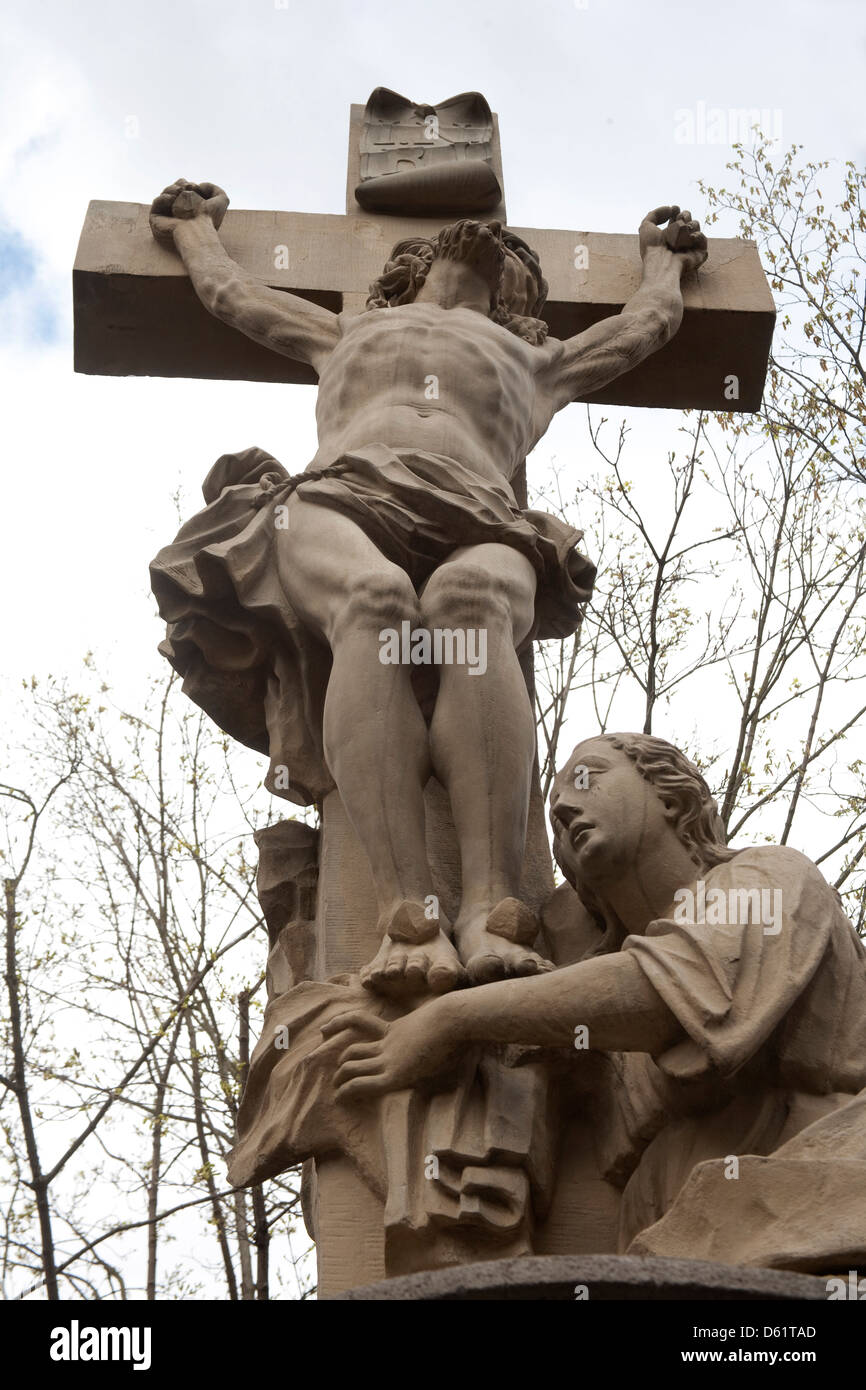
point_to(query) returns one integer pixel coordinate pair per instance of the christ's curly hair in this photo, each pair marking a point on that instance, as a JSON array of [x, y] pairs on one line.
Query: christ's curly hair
[[409, 264]]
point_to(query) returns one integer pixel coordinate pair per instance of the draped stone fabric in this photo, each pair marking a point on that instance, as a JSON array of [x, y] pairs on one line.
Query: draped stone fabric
[[801, 1207], [773, 1068], [490, 1132], [243, 653]]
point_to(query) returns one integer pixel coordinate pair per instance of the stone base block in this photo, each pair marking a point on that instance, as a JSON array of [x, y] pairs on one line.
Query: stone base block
[[555, 1278]]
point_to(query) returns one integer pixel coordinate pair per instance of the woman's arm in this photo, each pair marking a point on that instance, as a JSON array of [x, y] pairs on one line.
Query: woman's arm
[[609, 996]]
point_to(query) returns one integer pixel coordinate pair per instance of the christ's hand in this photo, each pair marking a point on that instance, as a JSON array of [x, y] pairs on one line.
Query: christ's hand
[[181, 201], [591, 359], [682, 236], [186, 216], [422, 1044]]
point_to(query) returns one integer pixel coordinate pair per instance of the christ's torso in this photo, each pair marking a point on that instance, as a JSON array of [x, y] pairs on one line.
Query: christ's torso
[[446, 381]]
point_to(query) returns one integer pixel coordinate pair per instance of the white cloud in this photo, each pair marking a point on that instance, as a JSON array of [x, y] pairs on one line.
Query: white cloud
[[257, 98]]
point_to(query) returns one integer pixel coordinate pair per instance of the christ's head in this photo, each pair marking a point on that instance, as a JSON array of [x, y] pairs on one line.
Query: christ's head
[[499, 258]]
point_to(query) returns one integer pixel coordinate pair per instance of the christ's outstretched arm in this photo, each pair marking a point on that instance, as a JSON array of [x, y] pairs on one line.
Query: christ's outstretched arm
[[651, 317], [186, 216]]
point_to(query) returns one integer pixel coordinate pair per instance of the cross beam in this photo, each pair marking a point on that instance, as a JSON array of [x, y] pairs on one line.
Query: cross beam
[[136, 313]]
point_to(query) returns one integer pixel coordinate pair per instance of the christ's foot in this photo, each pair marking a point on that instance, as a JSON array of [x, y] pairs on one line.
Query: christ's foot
[[399, 970], [415, 957], [495, 945]]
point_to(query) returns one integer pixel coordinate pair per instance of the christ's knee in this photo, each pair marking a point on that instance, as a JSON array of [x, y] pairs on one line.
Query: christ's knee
[[377, 602], [465, 596]]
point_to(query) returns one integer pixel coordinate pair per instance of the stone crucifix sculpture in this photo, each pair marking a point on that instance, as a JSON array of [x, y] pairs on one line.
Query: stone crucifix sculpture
[[428, 404], [293, 599]]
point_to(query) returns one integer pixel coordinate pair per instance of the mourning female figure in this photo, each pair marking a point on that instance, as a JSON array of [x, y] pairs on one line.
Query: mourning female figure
[[728, 991]]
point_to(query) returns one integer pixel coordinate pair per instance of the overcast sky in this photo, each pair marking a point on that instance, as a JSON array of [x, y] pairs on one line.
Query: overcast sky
[[103, 100]]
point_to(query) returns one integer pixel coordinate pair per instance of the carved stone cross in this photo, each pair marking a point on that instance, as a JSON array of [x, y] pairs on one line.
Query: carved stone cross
[[136, 313]]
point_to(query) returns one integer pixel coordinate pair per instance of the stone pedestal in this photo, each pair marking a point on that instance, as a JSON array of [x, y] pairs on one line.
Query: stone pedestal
[[345, 1219], [597, 1278]]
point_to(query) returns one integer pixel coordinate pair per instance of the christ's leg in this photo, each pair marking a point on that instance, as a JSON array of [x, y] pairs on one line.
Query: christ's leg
[[375, 737], [482, 742]]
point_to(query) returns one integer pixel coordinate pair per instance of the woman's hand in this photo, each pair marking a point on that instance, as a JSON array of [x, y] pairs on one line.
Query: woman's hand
[[396, 1055]]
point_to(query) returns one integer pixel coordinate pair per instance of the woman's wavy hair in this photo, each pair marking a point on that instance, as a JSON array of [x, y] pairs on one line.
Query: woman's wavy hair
[[688, 801], [410, 262]]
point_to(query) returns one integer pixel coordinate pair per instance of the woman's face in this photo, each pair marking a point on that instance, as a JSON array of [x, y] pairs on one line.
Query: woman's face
[[604, 814]]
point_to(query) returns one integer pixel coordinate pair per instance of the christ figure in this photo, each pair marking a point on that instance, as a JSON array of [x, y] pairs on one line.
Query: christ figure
[[428, 403]]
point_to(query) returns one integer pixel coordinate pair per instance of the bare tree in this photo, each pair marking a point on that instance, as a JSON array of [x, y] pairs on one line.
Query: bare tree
[[162, 943], [815, 252], [730, 606]]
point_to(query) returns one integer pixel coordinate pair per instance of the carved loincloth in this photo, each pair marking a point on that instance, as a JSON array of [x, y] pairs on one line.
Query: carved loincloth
[[244, 654]]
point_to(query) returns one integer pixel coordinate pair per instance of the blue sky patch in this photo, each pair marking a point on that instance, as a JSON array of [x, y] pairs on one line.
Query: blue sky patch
[[19, 264]]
